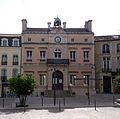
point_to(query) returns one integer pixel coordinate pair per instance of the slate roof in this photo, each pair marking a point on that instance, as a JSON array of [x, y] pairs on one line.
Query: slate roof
[[107, 37], [47, 30]]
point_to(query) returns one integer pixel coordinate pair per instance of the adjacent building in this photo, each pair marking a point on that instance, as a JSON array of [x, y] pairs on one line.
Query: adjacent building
[[59, 57], [107, 61], [10, 57]]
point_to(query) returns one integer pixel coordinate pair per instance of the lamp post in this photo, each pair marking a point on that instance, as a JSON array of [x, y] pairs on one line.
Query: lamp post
[[54, 86], [88, 85]]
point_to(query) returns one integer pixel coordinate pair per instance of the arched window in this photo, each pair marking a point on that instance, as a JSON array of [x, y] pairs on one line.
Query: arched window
[[57, 54], [3, 75], [105, 48], [15, 42], [4, 42]]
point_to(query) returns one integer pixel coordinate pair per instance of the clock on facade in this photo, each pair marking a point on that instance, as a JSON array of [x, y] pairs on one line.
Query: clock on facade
[[57, 39]]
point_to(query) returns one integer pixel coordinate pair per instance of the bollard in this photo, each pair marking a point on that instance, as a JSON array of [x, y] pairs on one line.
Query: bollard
[[113, 99], [59, 106], [42, 100], [3, 102], [95, 105], [64, 101]]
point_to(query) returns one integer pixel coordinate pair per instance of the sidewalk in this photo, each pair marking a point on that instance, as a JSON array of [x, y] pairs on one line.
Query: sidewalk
[[101, 100]]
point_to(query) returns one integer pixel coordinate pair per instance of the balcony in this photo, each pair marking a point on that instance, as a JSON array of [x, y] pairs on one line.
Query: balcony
[[106, 70], [57, 61], [4, 63], [15, 63]]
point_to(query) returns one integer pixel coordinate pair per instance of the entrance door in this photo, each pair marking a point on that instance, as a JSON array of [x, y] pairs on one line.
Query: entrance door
[[57, 80], [107, 84]]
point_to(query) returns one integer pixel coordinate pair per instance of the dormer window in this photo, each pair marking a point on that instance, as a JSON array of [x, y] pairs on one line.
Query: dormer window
[[105, 48], [4, 42], [15, 42]]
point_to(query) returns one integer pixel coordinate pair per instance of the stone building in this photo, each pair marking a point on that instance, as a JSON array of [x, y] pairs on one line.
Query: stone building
[[58, 57], [10, 58], [107, 61]]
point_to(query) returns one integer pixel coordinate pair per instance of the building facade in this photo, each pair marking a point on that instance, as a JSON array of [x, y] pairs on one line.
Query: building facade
[[59, 57], [107, 61], [10, 57]]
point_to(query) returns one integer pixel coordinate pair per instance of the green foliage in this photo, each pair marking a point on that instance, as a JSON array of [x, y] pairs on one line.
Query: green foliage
[[22, 85], [116, 84]]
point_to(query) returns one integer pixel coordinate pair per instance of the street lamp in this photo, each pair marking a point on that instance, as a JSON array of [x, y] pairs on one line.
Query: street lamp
[[54, 86], [88, 92]]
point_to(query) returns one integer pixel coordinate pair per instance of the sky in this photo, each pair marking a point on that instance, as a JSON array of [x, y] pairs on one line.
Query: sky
[[104, 13]]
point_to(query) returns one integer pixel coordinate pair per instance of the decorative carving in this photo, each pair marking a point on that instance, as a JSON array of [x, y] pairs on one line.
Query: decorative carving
[[57, 22]]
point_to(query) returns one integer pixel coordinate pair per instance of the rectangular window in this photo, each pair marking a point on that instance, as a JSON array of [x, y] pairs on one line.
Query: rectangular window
[[118, 48], [86, 80], [72, 80], [3, 75], [15, 59], [29, 55], [86, 56], [72, 56], [42, 80], [118, 63], [42, 55], [106, 64], [4, 60]]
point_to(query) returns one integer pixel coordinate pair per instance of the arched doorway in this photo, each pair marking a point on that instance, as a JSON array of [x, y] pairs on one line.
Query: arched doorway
[[57, 80]]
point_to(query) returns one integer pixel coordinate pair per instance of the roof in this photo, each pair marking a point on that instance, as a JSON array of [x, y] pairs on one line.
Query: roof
[[47, 30], [107, 37]]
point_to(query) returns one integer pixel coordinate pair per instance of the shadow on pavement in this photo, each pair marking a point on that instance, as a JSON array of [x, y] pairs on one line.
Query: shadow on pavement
[[55, 110]]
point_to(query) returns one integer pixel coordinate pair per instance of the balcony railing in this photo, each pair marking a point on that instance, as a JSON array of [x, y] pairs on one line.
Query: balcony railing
[[57, 61], [15, 63], [3, 63], [106, 70]]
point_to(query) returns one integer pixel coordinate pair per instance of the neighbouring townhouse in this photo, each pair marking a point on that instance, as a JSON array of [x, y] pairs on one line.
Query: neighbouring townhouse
[[107, 61], [10, 58]]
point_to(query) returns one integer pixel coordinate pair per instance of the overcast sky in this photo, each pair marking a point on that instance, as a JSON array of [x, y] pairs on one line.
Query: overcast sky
[[104, 13]]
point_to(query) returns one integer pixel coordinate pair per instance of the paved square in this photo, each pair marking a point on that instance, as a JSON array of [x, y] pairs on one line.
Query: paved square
[[75, 113]]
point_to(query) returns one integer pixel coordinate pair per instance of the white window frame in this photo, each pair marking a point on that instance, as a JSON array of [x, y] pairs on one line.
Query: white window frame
[[4, 40], [14, 42], [72, 55], [29, 55], [42, 55], [57, 53], [42, 79]]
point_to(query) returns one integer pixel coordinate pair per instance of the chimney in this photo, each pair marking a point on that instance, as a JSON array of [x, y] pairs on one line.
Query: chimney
[[64, 25], [88, 25], [49, 25], [24, 24]]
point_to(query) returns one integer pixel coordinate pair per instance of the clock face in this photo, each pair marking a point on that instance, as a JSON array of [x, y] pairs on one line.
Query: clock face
[[57, 39]]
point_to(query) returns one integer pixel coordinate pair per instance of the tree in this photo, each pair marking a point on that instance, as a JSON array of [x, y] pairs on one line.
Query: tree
[[116, 84], [22, 85]]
